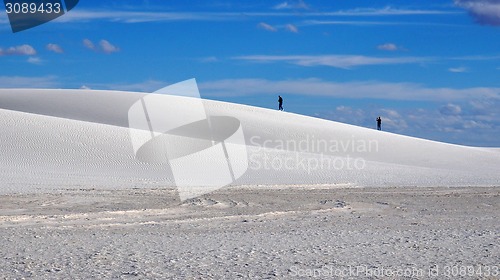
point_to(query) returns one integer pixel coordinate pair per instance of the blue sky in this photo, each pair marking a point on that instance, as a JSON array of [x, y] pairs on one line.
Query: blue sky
[[431, 69]]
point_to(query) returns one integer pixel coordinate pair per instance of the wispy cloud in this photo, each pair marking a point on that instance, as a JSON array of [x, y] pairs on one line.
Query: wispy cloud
[[483, 11], [28, 82], [285, 9], [292, 28], [104, 46], [267, 27], [209, 59], [476, 57], [370, 23], [458, 69], [18, 50], [287, 27], [292, 5], [388, 47], [348, 22], [368, 89], [88, 44], [450, 109], [54, 48], [388, 11], [338, 61], [107, 47], [351, 61], [145, 86], [146, 16], [34, 60]]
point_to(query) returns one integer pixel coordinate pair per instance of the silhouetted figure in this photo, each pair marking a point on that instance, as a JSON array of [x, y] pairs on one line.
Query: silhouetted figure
[[379, 123], [280, 102]]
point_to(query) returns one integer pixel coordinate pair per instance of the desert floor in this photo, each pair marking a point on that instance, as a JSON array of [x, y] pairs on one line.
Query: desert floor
[[263, 232]]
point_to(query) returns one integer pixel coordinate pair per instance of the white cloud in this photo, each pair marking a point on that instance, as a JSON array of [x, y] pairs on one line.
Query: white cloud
[[347, 22], [388, 47], [54, 48], [345, 114], [107, 47], [88, 44], [209, 59], [18, 50], [292, 28], [288, 27], [450, 109], [267, 27], [283, 5], [370, 23], [457, 69], [387, 11], [28, 82], [392, 120], [34, 60], [338, 61], [476, 57], [104, 46], [352, 90], [479, 129], [391, 113], [483, 11], [148, 16], [285, 9], [146, 86], [471, 124], [131, 17], [292, 5]]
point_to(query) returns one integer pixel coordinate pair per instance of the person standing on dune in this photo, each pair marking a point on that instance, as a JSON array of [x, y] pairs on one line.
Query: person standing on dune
[[280, 103], [379, 123]]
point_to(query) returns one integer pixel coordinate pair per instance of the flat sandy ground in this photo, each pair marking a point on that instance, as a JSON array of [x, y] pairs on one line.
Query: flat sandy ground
[[286, 232]]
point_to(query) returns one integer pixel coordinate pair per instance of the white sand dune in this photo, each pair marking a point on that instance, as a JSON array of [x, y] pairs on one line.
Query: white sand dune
[[62, 139], [76, 202]]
